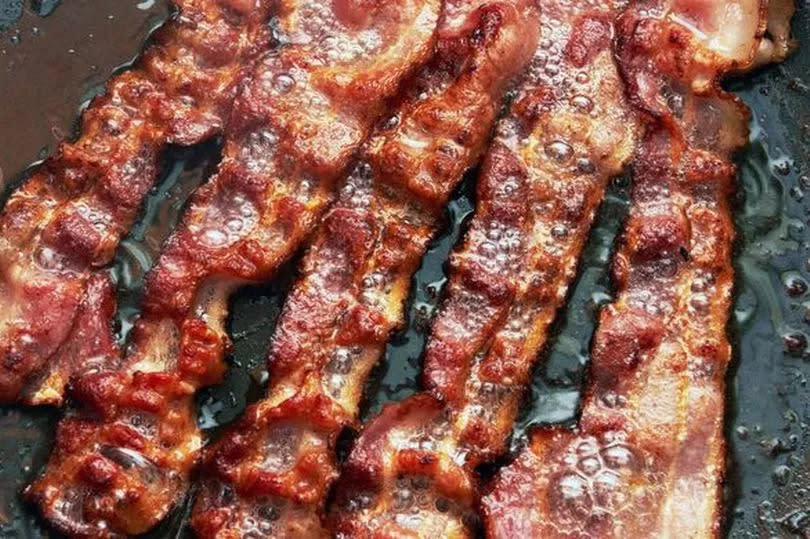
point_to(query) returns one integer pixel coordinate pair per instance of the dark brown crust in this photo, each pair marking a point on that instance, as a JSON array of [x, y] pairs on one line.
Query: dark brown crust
[[356, 277], [648, 456], [66, 221], [123, 459], [540, 185]]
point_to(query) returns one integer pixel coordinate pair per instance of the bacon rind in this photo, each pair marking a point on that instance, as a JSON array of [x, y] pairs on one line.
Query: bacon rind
[[123, 460], [648, 456], [274, 469], [66, 221], [568, 131]]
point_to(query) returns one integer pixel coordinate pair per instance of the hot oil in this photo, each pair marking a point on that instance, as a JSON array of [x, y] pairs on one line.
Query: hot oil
[[560, 373], [394, 379], [184, 169], [51, 59], [12, 10], [10, 13], [767, 426], [769, 472]]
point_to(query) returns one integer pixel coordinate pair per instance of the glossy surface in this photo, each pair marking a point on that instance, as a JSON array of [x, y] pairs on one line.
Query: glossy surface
[[567, 132], [122, 459], [66, 220], [648, 455], [271, 473], [768, 386]]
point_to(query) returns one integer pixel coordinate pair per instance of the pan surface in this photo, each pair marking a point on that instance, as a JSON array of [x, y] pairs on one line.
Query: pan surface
[[54, 58]]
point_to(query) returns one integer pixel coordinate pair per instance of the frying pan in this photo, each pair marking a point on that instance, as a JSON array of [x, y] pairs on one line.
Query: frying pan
[[54, 58]]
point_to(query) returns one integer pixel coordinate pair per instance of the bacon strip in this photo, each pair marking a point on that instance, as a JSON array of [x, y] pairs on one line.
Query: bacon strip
[[648, 456], [569, 130], [270, 475], [123, 459], [66, 221]]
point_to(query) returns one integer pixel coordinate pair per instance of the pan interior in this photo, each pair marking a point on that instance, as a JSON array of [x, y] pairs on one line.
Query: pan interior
[[768, 420]]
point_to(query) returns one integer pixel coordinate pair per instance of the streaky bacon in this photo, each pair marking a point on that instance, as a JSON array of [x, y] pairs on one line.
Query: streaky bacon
[[412, 470], [648, 456], [122, 460], [270, 474], [66, 221]]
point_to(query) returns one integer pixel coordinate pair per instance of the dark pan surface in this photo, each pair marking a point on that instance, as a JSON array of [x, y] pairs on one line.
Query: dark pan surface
[[50, 66]]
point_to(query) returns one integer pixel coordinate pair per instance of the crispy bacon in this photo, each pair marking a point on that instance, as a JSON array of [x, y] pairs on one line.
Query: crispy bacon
[[648, 456], [123, 459], [569, 130], [66, 221], [270, 475]]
